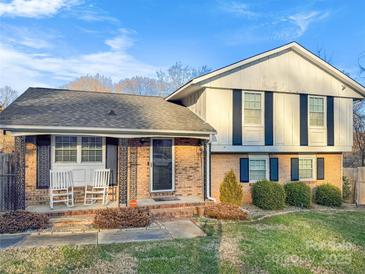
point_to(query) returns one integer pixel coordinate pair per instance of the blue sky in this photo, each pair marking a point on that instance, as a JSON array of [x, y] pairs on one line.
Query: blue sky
[[50, 42]]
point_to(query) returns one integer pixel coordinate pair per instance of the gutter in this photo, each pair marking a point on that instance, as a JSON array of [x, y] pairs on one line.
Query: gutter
[[208, 167]]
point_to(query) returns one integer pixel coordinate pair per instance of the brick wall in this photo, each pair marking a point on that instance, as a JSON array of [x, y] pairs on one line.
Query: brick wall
[[188, 168], [33, 195], [222, 163]]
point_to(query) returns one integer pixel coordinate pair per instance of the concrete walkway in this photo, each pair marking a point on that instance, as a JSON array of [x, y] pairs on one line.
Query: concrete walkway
[[177, 229]]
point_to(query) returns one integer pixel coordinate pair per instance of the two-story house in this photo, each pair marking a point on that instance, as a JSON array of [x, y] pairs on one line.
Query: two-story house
[[282, 115]]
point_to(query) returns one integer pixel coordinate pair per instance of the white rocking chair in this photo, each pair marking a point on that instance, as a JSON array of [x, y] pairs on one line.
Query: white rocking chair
[[62, 187], [99, 189]]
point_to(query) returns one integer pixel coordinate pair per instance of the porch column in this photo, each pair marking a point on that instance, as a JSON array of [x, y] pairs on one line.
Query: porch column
[[123, 170], [133, 158], [20, 171]]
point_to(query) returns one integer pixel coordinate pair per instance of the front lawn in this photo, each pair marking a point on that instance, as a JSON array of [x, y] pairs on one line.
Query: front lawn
[[306, 242]]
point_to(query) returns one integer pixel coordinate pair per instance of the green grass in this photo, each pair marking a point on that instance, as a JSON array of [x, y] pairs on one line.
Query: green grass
[[306, 242]]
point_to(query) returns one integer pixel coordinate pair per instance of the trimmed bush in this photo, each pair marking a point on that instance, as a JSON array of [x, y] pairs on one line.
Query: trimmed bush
[[225, 212], [230, 190], [268, 195], [298, 194], [122, 217], [328, 195], [20, 221]]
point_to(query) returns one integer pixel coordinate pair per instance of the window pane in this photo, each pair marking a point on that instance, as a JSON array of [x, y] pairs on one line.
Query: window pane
[[305, 168], [316, 111], [66, 149], [252, 108], [91, 149], [257, 170]]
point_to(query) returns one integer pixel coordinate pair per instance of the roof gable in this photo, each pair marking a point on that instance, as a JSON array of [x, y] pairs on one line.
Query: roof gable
[[273, 69]]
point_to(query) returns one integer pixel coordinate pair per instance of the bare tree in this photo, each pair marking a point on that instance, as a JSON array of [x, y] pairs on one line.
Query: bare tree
[[323, 54], [7, 96], [359, 130], [138, 85], [97, 82]]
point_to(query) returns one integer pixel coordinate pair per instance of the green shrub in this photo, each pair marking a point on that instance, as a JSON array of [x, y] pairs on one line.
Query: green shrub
[[328, 195], [230, 190], [268, 195], [346, 188], [225, 212], [298, 194]]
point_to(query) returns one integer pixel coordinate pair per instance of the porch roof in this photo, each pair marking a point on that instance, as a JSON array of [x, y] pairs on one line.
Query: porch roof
[[62, 110]]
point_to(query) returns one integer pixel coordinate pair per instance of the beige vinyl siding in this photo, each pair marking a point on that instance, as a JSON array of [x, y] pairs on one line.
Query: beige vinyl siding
[[284, 72]]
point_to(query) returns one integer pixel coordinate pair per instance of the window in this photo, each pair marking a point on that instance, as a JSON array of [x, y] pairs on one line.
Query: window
[[252, 108], [257, 170], [66, 149], [91, 149], [305, 169], [316, 111]]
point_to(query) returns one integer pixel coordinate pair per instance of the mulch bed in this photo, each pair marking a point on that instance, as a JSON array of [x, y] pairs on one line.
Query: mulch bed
[[225, 212], [122, 217], [20, 221]]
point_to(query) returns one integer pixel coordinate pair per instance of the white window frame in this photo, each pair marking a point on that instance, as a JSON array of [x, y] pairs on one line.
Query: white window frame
[[102, 150], [262, 108], [78, 151], [259, 157], [314, 167], [173, 165], [324, 112]]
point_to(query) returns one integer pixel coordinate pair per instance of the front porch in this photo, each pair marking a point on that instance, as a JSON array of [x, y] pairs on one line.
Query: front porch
[[153, 171]]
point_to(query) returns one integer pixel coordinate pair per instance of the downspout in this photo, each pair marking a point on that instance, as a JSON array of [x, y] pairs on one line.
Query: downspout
[[208, 168]]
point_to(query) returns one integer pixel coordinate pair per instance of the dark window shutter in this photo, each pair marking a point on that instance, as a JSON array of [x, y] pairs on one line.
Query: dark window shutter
[[294, 169], [274, 169], [330, 122], [269, 114], [112, 159], [237, 117], [320, 168], [303, 119], [244, 170], [43, 160]]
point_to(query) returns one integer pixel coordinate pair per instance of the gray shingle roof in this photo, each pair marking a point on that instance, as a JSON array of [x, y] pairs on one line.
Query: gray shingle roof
[[70, 108]]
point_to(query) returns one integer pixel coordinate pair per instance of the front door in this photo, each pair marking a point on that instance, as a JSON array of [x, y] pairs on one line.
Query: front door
[[162, 164]]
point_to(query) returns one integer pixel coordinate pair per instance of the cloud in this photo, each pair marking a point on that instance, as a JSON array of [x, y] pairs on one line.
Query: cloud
[[35, 8], [121, 41], [237, 8], [304, 19], [23, 68]]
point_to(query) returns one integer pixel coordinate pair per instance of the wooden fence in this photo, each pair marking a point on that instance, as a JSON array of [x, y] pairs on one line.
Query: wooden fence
[[357, 177], [8, 191]]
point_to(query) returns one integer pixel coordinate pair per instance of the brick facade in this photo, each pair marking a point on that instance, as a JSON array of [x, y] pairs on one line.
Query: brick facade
[[222, 163], [188, 172]]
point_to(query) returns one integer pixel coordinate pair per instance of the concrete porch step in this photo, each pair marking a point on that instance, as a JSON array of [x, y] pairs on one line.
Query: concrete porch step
[[74, 223], [173, 213]]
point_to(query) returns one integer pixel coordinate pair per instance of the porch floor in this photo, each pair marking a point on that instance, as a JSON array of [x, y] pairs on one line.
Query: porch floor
[[60, 208], [180, 200]]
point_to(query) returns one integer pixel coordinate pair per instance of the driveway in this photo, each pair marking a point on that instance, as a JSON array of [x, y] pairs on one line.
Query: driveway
[[177, 229]]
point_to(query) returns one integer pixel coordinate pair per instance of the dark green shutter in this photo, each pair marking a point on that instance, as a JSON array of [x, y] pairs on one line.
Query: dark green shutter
[[112, 159], [303, 119], [244, 170], [274, 169], [269, 116], [330, 122], [237, 117], [43, 160], [320, 168], [294, 169]]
